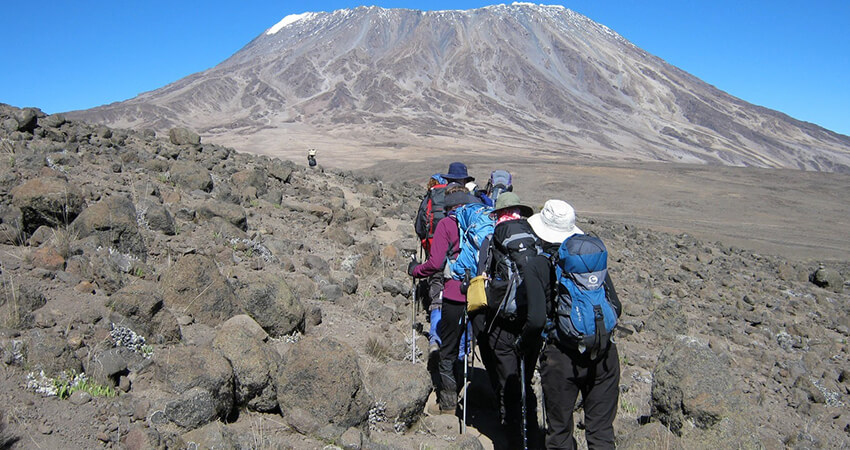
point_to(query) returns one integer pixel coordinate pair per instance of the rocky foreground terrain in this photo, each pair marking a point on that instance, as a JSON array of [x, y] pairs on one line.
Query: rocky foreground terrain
[[160, 292]]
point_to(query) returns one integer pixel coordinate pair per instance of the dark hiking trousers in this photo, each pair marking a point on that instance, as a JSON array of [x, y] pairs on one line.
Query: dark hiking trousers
[[450, 330], [564, 374], [507, 359]]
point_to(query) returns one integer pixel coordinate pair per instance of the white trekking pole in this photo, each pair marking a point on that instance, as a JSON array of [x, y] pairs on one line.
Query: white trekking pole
[[465, 368], [413, 325], [413, 316], [524, 411]]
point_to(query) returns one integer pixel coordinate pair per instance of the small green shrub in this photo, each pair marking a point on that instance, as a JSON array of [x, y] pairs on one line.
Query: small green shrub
[[628, 407], [73, 382], [64, 385]]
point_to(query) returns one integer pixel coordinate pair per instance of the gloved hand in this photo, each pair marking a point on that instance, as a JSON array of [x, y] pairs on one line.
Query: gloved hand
[[411, 266], [518, 346]]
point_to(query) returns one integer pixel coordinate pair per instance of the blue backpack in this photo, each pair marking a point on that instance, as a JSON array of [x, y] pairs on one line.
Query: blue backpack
[[474, 224], [584, 318]]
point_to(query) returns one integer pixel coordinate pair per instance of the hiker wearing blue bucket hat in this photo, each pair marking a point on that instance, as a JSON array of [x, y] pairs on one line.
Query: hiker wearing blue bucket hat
[[445, 247], [458, 173]]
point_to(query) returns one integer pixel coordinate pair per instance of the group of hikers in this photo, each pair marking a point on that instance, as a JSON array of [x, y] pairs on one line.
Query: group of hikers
[[529, 290]]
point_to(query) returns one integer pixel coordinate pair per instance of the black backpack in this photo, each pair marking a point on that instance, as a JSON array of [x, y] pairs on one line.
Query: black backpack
[[511, 244]]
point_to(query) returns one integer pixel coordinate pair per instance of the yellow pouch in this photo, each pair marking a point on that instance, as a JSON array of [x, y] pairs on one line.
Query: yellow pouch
[[476, 295]]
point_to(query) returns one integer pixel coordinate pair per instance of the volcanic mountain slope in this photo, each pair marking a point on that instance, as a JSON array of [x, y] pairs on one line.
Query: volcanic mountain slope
[[501, 79]]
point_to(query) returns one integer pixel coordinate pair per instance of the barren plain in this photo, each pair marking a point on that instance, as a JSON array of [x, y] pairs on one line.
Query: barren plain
[[796, 214]]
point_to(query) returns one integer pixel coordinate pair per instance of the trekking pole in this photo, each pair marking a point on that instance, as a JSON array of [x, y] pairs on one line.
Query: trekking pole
[[465, 369], [542, 392], [522, 390], [413, 324]]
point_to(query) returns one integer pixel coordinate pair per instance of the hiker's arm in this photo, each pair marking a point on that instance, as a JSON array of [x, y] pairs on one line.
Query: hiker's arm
[[437, 257], [612, 295], [484, 256]]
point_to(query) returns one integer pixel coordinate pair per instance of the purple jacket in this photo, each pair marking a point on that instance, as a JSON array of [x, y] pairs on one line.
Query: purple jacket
[[445, 237]]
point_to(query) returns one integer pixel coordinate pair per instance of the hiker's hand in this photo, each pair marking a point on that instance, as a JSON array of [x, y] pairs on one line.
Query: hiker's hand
[[518, 346], [411, 266]]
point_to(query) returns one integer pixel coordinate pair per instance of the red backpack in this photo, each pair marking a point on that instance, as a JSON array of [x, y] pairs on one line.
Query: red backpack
[[431, 210]]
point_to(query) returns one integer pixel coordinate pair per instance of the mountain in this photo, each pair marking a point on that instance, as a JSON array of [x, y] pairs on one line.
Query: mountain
[[508, 80]]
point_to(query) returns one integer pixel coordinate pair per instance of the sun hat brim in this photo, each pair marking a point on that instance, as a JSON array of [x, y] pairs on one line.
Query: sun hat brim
[[549, 234], [524, 211]]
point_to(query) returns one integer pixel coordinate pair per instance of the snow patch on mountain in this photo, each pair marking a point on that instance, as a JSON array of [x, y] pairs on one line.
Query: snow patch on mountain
[[290, 19]]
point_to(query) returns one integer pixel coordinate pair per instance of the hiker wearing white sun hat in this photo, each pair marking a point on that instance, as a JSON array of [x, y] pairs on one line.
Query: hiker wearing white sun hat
[[555, 222], [564, 371]]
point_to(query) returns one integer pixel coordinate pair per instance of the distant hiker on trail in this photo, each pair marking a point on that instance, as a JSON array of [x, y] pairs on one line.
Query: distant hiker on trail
[[569, 364], [513, 242], [311, 157], [445, 246]]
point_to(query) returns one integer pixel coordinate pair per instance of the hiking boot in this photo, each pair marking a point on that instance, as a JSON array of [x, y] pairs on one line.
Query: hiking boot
[[434, 409]]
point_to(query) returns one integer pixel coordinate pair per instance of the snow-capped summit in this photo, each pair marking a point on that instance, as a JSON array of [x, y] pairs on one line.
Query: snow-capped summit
[[290, 19]]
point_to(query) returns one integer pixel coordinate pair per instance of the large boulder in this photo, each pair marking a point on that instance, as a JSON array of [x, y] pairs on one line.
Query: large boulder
[[827, 278], [693, 393], [281, 170], [232, 213], [183, 136], [107, 365], [47, 201], [113, 222], [254, 178], [191, 176], [201, 378], [323, 378], [267, 298], [195, 286], [141, 307], [27, 119], [244, 343], [402, 387], [192, 408]]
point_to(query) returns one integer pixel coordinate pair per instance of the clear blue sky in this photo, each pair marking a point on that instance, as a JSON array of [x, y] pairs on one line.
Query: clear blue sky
[[786, 55]]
